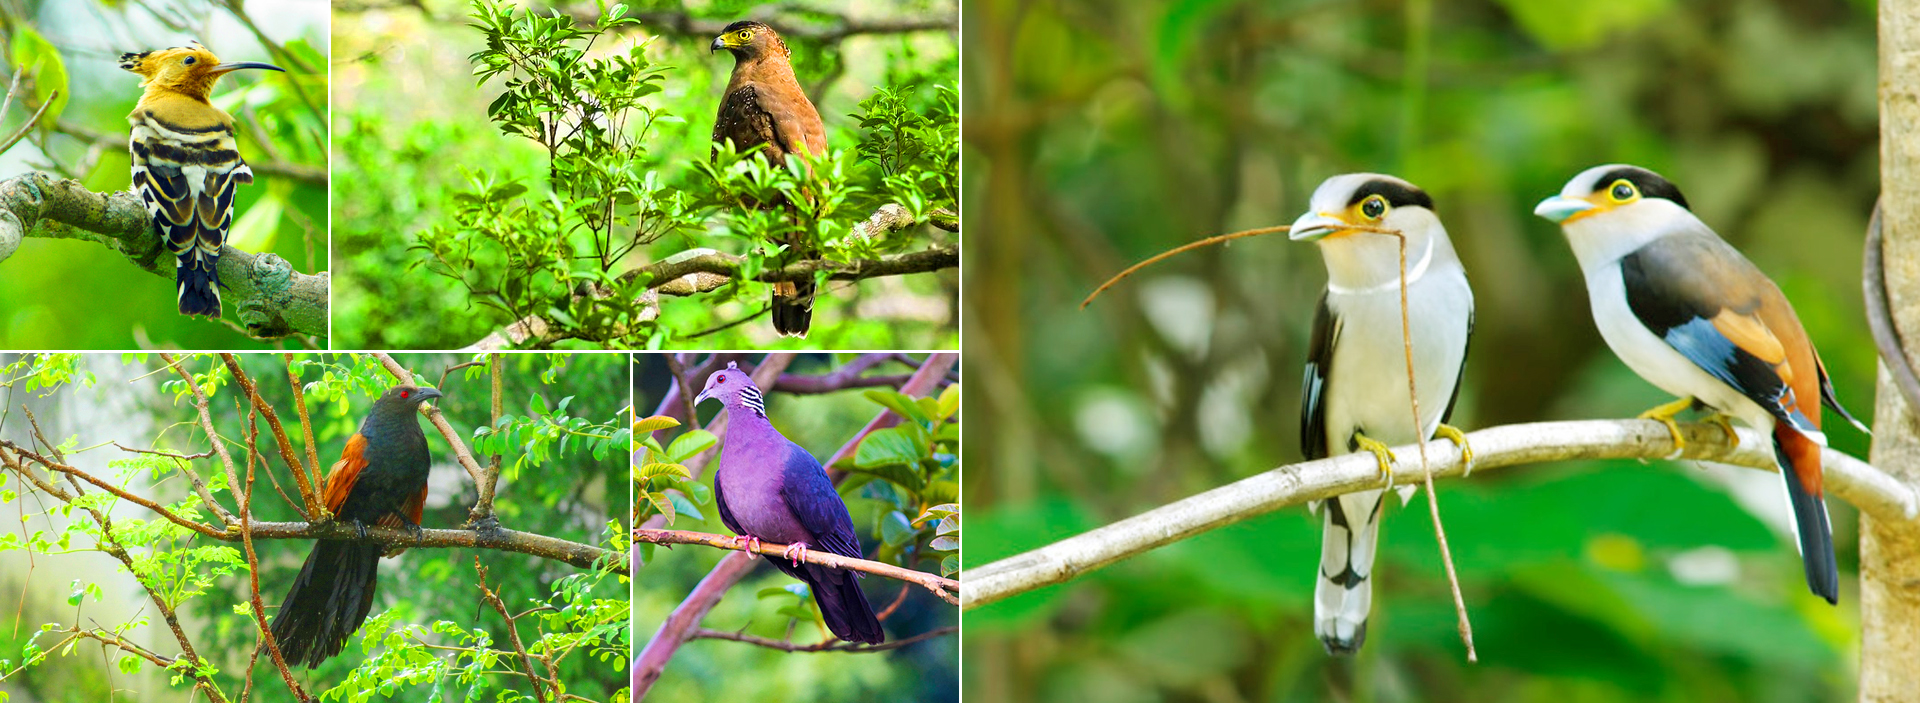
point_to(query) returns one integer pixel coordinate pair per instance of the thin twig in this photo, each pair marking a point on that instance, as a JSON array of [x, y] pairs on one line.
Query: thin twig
[[946, 589], [1190, 246], [826, 646]]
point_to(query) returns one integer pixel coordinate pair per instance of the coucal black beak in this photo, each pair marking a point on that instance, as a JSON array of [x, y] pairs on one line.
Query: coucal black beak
[[237, 65], [427, 394]]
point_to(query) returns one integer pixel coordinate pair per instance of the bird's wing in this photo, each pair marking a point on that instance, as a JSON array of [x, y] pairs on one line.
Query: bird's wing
[[726, 516], [1313, 407], [813, 500], [743, 120], [1446, 416], [346, 472], [186, 166], [1717, 309], [796, 123]]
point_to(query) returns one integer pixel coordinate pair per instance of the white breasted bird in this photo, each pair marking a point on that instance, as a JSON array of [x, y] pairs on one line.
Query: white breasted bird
[[1689, 314], [1355, 394], [186, 164]]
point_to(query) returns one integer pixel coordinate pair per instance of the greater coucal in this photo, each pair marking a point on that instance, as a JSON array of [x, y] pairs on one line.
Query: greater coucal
[[186, 164], [381, 479], [765, 111]]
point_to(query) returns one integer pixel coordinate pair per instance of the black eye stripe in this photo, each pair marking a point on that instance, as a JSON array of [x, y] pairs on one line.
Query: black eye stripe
[[1398, 194], [1650, 184]]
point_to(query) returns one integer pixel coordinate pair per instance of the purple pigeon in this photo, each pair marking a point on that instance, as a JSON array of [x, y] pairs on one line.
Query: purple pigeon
[[769, 488]]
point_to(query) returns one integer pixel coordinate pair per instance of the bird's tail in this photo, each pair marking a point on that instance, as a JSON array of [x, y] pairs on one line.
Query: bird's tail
[[1799, 458], [793, 308], [197, 278], [844, 605], [1344, 593], [328, 601]]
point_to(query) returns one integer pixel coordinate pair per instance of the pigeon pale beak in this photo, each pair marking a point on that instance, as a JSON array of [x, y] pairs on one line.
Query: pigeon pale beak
[[1314, 226], [704, 395], [1562, 209]]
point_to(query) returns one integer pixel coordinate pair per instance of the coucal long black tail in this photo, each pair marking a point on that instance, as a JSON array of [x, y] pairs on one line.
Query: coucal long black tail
[[328, 602]]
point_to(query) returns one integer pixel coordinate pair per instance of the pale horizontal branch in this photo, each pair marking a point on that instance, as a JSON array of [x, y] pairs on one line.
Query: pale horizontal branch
[[273, 300], [945, 588], [1852, 480], [725, 266], [499, 538]]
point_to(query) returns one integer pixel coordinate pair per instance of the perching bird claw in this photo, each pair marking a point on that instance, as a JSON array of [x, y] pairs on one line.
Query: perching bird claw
[[1459, 439], [748, 544], [1663, 414], [1721, 419], [795, 552], [1380, 452]]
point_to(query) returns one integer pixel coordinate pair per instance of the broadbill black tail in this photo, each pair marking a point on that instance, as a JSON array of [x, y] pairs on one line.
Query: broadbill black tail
[[1811, 525], [329, 600]]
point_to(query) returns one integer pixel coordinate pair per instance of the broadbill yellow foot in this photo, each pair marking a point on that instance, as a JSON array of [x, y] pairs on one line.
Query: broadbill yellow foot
[[1380, 453], [1721, 419], [1664, 415], [1459, 439]]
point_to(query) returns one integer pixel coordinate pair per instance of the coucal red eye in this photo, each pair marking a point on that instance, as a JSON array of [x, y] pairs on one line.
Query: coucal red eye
[[404, 394]]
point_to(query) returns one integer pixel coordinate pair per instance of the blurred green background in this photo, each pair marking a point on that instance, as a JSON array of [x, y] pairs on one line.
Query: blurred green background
[[1098, 134], [412, 129], [66, 294], [711, 669]]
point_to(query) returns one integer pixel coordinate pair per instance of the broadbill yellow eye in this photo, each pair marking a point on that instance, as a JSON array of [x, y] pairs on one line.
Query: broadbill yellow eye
[[1622, 191], [1373, 207]]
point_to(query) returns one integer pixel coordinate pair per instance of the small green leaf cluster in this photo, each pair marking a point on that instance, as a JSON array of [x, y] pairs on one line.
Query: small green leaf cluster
[[665, 486], [546, 432], [912, 469]]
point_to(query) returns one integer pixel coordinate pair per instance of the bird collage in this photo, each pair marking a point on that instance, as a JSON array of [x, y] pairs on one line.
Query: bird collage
[[589, 351]]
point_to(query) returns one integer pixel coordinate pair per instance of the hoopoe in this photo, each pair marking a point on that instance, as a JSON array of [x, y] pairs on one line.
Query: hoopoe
[[185, 164]]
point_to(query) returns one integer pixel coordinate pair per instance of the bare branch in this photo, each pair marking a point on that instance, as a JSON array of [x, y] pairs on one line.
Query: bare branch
[[1510, 445], [942, 587], [272, 299], [684, 25]]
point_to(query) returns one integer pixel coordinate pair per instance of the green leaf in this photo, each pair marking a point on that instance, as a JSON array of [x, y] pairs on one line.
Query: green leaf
[[36, 57], [949, 402], [690, 444], [662, 503], [899, 403], [657, 469], [890, 446], [648, 425], [894, 530]]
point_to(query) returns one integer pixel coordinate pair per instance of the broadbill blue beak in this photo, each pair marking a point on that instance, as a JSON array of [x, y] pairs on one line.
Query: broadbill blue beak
[[1314, 226], [1560, 208]]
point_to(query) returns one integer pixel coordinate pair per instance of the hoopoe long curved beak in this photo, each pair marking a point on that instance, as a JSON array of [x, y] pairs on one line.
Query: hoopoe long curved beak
[[237, 65]]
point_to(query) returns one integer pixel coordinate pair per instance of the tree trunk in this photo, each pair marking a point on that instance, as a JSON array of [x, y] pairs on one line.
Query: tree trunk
[[1890, 550]]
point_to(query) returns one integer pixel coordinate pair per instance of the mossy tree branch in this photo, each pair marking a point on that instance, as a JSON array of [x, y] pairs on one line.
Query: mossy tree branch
[[272, 299]]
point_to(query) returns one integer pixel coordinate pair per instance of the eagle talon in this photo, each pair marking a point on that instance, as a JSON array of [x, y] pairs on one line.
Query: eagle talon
[[1663, 414], [1380, 452], [1459, 439]]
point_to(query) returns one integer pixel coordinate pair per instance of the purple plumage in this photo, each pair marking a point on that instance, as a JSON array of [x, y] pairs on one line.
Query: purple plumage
[[771, 489]]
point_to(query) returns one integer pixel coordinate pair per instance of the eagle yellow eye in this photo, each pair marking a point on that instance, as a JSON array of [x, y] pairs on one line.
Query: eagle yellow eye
[[1373, 207], [746, 35], [1622, 191]]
